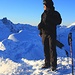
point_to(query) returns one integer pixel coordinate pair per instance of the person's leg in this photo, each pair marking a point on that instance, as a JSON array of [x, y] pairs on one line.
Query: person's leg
[[53, 54], [46, 51]]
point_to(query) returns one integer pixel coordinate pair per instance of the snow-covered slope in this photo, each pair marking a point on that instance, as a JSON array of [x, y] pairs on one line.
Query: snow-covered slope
[[21, 49], [73, 24], [62, 36]]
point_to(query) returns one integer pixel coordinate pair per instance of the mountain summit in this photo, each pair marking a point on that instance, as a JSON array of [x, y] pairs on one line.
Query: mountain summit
[[21, 50]]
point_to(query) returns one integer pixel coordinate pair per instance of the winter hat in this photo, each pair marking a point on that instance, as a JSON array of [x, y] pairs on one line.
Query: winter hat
[[48, 3]]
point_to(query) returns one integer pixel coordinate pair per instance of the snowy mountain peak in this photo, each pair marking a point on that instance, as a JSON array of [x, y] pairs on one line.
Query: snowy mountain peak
[[6, 21], [73, 24]]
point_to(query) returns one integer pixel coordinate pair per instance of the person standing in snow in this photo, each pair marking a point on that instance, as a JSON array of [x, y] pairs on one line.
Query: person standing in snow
[[49, 20]]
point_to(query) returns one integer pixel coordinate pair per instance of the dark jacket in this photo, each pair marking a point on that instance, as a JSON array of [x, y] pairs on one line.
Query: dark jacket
[[49, 21]]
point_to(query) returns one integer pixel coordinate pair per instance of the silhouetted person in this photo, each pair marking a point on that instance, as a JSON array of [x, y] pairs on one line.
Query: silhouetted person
[[49, 20]]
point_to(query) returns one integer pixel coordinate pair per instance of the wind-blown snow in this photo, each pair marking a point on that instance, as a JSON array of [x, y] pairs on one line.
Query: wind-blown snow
[[21, 50]]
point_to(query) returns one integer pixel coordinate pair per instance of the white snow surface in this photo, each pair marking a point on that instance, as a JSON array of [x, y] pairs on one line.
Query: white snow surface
[[21, 50]]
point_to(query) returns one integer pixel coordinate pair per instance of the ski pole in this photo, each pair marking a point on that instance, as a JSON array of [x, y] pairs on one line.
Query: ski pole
[[71, 51]]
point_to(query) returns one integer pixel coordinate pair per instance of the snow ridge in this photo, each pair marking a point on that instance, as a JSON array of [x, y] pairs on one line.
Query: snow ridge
[[21, 50]]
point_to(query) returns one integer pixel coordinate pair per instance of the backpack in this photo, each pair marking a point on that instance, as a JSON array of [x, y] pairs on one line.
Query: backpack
[[57, 18]]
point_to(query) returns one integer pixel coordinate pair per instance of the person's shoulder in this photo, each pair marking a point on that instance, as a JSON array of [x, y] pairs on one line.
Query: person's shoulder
[[56, 12]]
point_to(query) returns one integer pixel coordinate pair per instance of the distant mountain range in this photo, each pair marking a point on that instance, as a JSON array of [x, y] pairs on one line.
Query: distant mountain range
[[25, 32]]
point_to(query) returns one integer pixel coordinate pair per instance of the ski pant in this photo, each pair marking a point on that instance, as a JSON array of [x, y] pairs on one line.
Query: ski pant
[[49, 42]]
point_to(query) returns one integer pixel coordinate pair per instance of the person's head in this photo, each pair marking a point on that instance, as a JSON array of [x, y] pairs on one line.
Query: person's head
[[48, 4]]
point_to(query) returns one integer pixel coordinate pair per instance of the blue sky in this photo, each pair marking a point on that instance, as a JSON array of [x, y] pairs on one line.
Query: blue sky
[[29, 11]]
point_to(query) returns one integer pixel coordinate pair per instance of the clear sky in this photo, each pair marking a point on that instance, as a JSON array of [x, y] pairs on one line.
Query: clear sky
[[29, 11]]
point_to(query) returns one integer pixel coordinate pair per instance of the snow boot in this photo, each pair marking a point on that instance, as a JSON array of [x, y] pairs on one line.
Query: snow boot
[[46, 66], [53, 69]]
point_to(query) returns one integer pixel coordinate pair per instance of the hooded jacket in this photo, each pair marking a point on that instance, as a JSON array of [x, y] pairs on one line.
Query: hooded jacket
[[49, 21]]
